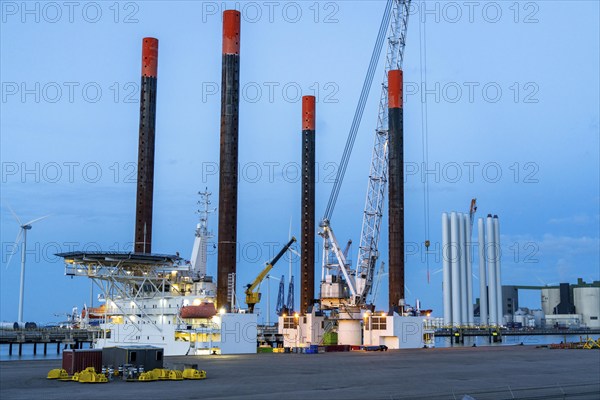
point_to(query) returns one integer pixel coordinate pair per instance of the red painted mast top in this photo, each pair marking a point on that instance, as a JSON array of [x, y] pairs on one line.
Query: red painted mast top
[[149, 57], [308, 113], [395, 88], [231, 32]]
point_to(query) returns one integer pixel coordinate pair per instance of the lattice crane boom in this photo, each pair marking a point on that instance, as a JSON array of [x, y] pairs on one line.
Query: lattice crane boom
[[360, 279], [368, 251]]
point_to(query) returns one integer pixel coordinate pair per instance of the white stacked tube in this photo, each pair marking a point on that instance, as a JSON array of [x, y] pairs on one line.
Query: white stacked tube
[[469, 271], [483, 297], [455, 272], [491, 258], [463, 269], [498, 254], [447, 270]]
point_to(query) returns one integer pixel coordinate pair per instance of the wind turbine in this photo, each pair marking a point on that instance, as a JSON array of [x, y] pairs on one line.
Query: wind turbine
[[24, 227]]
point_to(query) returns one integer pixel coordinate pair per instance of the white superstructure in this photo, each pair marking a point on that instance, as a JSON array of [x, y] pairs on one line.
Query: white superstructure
[[398, 332], [162, 300]]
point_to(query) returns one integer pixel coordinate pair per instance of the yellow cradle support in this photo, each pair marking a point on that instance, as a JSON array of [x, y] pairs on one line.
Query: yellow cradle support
[[192, 373], [175, 375], [57, 374], [147, 376], [89, 375]]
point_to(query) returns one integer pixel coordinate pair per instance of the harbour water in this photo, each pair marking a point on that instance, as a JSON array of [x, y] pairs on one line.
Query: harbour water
[[27, 353], [526, 340]]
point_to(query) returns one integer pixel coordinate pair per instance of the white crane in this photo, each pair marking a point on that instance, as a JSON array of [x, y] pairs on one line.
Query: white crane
[[358, 282], [203, 235], [23, 228]]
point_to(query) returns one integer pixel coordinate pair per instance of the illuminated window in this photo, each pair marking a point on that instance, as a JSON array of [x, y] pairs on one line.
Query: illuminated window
[[289, 323], [379, 323]]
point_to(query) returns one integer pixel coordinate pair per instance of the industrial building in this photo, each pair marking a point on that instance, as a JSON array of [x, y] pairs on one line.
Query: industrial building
[[569, 304], [564, 305]]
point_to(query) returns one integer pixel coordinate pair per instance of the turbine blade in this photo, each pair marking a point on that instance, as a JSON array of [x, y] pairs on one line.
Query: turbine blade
[[541, 281], [17, 244], [38, 219], [14, 214], [294, 252]]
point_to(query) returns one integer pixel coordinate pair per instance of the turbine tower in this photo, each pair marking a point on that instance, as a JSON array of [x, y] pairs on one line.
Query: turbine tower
[[24, 227]]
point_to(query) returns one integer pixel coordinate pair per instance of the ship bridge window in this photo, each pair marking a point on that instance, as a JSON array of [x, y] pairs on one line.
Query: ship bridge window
[[289, 323], [379, 323], [159, 355]]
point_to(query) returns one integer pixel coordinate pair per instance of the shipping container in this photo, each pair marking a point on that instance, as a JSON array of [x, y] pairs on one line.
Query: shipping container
[[79, 359], [150, 357]]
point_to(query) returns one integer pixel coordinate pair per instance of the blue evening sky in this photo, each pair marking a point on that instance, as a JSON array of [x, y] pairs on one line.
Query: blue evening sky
[[512, 93]]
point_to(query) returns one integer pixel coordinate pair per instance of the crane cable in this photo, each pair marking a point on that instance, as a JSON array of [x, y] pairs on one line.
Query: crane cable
[[424, 135], [360, 108]]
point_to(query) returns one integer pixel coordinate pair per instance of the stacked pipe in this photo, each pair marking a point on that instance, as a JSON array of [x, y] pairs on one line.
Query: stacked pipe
[[463, 269], [467, 245], [307, 246], [228, 162], [145, 178], [457, 285], [396, 189], [491, 254], [483, 290], [491, 263]]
